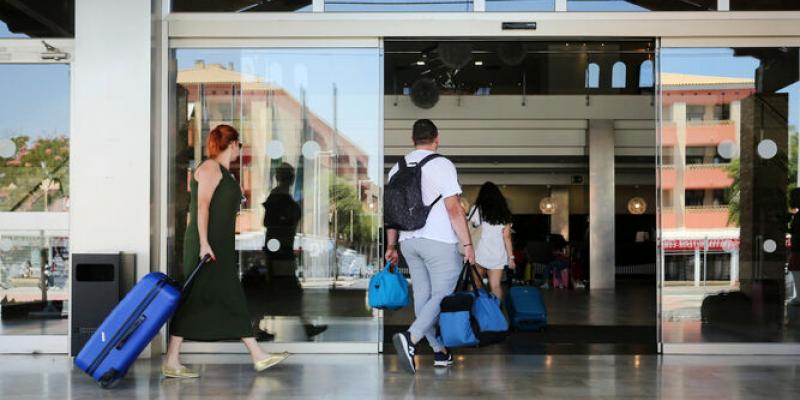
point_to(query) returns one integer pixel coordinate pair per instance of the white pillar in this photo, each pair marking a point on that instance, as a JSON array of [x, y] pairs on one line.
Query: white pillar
[[679, 160], [560, 218], [601, 204], [697, 261], [110, 161], [734, 267]]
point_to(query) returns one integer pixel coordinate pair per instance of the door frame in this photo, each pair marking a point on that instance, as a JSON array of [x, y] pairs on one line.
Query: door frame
[[30, 52]]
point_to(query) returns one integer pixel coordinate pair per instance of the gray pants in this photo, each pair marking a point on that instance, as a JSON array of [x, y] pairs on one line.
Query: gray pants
[[434, 267]]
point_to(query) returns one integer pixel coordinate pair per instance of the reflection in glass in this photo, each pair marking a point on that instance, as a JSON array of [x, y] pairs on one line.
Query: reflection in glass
[[729, 131], [397, 5], [520, 5], [34, 282], [307, 234], [34, 177], [764, 5], [241, 6], [641, 5], [34, 133], [37, 19]]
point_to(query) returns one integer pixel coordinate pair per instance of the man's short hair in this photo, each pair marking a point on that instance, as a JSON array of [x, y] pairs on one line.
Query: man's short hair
[[285, 173], [424, 132]]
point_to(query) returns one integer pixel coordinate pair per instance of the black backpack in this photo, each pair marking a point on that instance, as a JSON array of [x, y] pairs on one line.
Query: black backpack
[[403, 208]]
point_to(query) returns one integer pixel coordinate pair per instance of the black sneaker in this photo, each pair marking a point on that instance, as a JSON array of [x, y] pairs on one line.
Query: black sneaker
[[405, 351], [442, 359]]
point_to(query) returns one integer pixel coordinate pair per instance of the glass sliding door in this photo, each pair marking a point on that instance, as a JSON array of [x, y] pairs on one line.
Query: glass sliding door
[[728, 166], [34, 206], [308, 229]]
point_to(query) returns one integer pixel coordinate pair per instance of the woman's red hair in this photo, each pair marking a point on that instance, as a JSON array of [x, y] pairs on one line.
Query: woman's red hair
[[220, 138]]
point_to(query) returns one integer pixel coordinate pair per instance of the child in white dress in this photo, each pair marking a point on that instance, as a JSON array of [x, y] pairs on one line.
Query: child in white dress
[[493, 250]]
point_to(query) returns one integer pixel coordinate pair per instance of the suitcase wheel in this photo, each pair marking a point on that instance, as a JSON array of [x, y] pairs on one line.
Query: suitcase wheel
[[108, 379]]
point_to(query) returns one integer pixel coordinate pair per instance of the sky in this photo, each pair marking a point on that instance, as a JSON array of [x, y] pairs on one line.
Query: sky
[[34, 100]]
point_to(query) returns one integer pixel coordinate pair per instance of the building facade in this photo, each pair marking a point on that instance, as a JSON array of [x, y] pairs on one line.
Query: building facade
[[681, 113]]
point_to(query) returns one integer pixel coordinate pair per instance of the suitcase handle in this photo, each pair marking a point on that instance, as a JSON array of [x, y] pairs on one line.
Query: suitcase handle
[[196, 270], [129, 331]]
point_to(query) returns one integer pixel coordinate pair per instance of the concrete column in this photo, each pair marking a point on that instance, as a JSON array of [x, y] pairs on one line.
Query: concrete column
[[560, 219], [734, 267], [110, 162], [602, 262], [697, 262], [679, 160]]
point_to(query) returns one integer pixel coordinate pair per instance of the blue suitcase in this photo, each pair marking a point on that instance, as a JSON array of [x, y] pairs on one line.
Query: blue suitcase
[[526, 308], [128, 329]]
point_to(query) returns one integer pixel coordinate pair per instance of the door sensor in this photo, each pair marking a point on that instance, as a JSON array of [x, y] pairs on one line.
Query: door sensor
[[519, 26]]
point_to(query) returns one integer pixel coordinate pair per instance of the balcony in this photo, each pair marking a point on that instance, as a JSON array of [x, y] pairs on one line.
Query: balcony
[[697, 217], [698, 176], [700, 133]]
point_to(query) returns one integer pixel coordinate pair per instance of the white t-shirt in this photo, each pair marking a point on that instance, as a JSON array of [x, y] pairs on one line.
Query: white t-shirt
[[438, 178]]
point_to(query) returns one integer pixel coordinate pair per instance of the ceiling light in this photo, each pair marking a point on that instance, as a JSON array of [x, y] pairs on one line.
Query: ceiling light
[[637, 206]]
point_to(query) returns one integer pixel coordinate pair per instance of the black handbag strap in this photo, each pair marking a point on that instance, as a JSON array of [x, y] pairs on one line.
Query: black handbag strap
[[467, 278]]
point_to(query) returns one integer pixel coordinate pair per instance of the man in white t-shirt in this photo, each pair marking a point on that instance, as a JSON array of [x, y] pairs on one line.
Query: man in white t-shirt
[[431, 252]]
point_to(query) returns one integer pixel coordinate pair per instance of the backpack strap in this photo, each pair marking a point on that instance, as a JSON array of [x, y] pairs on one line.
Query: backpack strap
[[427, 158], [422, 163]]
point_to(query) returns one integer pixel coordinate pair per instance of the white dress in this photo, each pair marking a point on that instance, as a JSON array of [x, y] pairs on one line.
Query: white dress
[[490, 251]]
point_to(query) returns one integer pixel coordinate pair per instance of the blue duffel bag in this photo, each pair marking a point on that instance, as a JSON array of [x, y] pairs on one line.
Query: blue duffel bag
[[471, 317], [388, 289]]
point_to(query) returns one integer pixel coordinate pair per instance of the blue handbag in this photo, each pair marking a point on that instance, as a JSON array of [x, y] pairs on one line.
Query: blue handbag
[[388, 289]]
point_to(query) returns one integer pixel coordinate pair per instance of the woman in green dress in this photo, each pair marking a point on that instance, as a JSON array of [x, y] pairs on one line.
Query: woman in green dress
[[215, 307]]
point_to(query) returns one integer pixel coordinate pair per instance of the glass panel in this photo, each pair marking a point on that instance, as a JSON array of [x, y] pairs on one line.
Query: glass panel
[[520, 5], [515, 113], [641, 5], [307, 234], [34, 138], [34, 176], [729, 146], [241, 6], [398, 5], [37, 19], [34, 282], [764, 5]]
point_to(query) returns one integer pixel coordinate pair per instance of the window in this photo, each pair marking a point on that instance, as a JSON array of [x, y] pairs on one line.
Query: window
[[397, 5], [695, 197], [618, 75], [622, 5], [646, 73], [520, 5], [34, 198], [593, 76], [695, 113], [764, 5], [241, 6]]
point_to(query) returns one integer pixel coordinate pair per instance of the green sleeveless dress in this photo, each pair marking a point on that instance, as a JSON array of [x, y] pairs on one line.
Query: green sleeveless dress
[[215, 307]]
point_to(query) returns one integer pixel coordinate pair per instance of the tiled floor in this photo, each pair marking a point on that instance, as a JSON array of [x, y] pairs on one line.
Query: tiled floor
[[376, 377]]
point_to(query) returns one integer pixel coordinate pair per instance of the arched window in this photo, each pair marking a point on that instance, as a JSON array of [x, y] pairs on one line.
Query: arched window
[[619, 75], [646, 74], [592, 76]]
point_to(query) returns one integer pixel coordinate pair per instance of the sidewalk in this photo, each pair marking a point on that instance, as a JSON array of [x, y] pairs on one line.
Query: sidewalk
[[378, 377]]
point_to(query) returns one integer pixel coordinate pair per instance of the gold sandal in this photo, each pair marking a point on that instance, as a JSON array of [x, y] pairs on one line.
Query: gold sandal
[[270, 361], [178, 373]]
